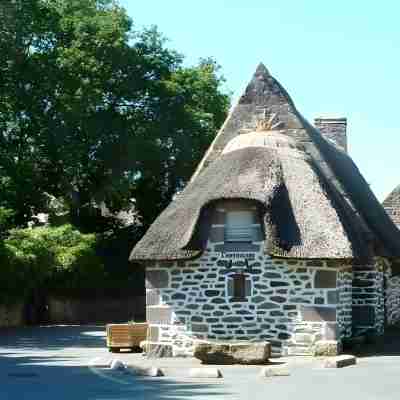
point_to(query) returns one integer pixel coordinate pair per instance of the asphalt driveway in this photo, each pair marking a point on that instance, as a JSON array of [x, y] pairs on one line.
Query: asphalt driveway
[[52, 363]]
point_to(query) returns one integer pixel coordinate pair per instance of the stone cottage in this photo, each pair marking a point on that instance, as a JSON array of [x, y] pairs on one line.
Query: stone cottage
[[392, 207], [277, 237]]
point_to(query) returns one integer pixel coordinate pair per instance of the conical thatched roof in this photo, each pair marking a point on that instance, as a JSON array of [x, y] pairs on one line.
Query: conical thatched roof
[[392, 205], [315, 202]]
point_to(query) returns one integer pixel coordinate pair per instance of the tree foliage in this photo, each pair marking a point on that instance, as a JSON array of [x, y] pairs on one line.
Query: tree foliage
[[57, 258], [94, 110]]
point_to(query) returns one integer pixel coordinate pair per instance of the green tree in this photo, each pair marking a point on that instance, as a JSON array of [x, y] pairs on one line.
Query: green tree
[[93, 110], [49, 259]]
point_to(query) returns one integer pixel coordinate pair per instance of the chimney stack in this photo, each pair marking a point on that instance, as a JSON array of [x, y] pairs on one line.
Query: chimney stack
[[333, 129]]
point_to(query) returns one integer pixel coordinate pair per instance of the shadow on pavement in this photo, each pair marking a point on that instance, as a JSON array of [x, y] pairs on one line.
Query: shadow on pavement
[[50, 363], [53, 337]]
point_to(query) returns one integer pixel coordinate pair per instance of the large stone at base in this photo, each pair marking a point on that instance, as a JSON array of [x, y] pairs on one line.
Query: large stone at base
[[275, 370], [233, 353], [205, 373], [340, 361], [327, 348]]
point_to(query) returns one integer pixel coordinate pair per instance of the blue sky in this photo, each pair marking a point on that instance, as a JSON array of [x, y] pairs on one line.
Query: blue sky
[[336, 58]]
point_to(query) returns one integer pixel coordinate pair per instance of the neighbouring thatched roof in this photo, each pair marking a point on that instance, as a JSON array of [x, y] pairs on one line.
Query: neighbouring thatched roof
[[316, 203], [392, 205]]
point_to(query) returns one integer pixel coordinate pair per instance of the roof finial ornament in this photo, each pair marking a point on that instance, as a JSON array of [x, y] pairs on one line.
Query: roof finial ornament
[[269, 124]]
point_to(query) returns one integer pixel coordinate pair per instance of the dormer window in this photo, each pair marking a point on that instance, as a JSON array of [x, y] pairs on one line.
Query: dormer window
[[239, 226]]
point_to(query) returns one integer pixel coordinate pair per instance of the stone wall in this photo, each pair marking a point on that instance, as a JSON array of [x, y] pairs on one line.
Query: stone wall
[[11, 315], [393, 300], [104, 310], [189, 301], [368, 299], [345, 302]]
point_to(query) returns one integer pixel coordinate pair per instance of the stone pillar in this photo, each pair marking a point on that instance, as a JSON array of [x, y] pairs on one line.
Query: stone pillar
[[333, 129]]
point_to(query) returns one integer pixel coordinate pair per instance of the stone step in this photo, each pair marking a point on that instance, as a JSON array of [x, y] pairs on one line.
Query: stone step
[[297, 350]]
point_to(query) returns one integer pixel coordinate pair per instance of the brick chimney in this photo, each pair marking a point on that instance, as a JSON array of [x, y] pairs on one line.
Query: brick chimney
[[333, 129]]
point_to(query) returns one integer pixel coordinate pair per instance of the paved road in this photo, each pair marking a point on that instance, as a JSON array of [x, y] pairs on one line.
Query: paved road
[[50, 363]]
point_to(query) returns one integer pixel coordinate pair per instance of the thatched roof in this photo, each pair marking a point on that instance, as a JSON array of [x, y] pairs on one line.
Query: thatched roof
[[392, 205], [315, 202]]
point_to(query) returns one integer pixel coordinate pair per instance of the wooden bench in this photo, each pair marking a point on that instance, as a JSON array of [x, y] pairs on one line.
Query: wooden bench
[[125, 336]]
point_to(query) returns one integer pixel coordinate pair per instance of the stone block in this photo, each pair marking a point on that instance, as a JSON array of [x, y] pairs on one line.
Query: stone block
[[305, 338], [159, 315], [140, 371], [212, 293], [117, 365], [199, 328], [331, 331], [318, 314], [178, 296], [325, 279], [327, 348], [156, 349], [233, 353], [153, 297], [157, 279], [205, 373], [153, 333], [340, 361], [276, 370], [268, 306], [314, 263]]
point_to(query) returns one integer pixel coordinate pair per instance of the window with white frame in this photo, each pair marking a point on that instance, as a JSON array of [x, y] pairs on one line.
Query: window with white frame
[[239, 226]]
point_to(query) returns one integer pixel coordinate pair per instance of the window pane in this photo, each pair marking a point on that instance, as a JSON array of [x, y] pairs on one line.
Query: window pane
[[239, 218], [238, 226], [239, 286]]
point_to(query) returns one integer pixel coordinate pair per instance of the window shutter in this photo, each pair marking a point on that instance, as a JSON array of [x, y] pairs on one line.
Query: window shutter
[[230, 287], [248, 288]]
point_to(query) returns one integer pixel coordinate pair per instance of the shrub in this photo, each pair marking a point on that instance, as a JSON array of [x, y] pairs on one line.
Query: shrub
[[48, 258]]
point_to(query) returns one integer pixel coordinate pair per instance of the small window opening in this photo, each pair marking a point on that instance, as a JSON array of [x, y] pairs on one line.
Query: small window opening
[[238, 226], [239, 287]]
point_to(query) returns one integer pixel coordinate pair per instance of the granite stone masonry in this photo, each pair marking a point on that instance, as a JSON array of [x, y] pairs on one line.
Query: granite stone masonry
[[368, 311], [291, 304], [392, 299]]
